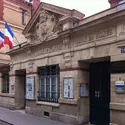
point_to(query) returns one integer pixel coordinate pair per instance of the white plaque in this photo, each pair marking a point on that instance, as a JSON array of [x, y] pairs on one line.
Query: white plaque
[[119, 83], [68, 87], [120, 87]]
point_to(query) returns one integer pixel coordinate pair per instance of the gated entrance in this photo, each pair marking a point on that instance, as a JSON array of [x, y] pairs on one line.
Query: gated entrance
[[100, 93]]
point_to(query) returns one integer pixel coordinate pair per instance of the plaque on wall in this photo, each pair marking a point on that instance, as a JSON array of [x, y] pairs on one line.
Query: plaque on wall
[[120, 87], [30, 87], [68, 87], [84, 92], [122, 50]]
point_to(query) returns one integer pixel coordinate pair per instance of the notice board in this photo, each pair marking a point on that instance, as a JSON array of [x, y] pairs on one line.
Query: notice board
[[68, 87], [30, 87]]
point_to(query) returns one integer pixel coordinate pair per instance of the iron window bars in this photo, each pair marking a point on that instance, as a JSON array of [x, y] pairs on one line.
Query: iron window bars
[[5, 83], [49, 84]]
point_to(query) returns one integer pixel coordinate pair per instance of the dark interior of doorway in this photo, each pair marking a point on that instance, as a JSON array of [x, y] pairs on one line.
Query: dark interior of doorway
[[21, 88], [99, 87]]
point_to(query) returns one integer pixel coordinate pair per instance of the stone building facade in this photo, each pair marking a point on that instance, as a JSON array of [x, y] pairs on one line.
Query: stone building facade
[[11, 11], [17, 14], [71, 68]]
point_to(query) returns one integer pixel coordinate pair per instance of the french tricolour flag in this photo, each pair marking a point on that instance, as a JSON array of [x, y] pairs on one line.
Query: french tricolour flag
[[1, 39], [8, 36]]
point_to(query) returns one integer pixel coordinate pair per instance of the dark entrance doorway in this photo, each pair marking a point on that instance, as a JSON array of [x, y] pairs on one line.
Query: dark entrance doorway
[[20, 90], [100, 93]]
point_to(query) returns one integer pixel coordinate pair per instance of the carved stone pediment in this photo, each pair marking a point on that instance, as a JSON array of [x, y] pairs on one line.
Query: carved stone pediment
[[47, 21], [47, 25]]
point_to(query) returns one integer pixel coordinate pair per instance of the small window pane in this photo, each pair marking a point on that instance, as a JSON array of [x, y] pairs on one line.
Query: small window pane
[[53, 84]]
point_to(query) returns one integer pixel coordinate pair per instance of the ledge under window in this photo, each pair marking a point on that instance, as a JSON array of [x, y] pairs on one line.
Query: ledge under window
[[69, 101], [7, 95], [48, 103]]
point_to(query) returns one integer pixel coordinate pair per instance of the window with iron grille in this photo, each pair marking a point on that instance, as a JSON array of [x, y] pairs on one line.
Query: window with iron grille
[[5, 83], [49, 83]]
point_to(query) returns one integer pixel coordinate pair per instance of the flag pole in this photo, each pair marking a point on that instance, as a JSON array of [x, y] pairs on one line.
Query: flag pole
[[13, 35]]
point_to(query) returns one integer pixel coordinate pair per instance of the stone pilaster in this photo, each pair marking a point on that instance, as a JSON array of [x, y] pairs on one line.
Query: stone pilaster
[[69, 72], [12, 82]]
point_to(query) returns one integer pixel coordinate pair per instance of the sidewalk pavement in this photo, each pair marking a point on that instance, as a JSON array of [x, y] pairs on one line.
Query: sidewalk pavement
[[17, 118]]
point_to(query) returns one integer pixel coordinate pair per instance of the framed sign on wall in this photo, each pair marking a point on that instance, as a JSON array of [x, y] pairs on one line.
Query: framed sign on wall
[[68, 87], [120, 87], [30, 87], [84, 92]]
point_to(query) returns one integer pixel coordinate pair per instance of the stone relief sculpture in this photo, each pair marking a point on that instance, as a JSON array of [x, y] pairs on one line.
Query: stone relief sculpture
[[47, 26], [30, 66]]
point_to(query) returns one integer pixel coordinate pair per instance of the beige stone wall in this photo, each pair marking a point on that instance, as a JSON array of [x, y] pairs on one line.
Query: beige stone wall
[[7, 101], [13, 14], [117, 117], [83, 102], [117, 98], [117, 104], [97, 43]]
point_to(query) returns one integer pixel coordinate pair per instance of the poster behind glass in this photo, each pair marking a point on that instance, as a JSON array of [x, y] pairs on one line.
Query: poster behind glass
[[68, 87], [30, 87]]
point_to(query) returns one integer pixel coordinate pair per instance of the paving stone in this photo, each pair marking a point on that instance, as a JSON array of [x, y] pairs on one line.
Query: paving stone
[[17, 118]]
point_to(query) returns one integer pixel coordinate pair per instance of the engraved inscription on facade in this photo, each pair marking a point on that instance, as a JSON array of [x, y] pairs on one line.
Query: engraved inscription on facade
[[104, 33], [122, 32], [80, 40], [93, 37], [65, 43], [51, 49]]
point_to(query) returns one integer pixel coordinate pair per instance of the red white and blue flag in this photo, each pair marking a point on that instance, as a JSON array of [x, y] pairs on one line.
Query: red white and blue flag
[[8, 36], [1, 40]]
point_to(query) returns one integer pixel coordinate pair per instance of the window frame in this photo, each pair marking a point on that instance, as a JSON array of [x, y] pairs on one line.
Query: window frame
[[53, 96], [5, 86], [23, 16]]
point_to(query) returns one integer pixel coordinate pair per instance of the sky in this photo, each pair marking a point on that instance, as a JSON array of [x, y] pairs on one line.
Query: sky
[[88, 7]]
